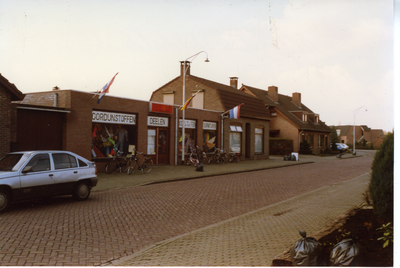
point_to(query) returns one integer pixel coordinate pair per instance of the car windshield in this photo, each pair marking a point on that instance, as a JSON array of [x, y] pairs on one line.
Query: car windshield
[[12, 162]]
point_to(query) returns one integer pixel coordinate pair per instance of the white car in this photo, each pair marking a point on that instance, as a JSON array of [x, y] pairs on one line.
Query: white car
[[342, 147], [36, 174]]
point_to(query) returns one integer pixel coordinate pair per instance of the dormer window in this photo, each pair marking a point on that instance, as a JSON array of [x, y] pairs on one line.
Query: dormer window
[[316, 120], [304, 118]]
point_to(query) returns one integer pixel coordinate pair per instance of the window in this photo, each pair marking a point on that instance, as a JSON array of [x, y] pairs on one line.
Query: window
[[259, 140], [320, 140], [40, 162], [81, 163], [305, 118], [198, 101], [168, 98], [235, 138], [316, 119], [151, 141], [62, 161]]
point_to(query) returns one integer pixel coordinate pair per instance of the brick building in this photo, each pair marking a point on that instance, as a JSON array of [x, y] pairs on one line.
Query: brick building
[[8, 114], [291, 119], [248, 135]]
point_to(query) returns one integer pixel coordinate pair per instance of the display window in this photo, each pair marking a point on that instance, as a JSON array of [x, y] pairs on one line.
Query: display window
[[190, 141], [108, 138], [209, 136], [235, 139], [259, 139]]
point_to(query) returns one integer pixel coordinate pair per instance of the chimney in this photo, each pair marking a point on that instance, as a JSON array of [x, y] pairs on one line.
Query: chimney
[[234, 82], [56, 88], [296, 99], [185, 65], [273, 93]]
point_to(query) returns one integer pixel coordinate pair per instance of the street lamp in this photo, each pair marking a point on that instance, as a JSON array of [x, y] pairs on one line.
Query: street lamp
[[184, 99], [354, 129]]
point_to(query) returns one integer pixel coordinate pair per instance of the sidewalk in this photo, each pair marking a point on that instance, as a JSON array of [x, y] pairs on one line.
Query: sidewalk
[[160, 174]]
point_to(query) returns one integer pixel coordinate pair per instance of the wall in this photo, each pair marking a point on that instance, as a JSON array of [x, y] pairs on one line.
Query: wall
[[7, 121]]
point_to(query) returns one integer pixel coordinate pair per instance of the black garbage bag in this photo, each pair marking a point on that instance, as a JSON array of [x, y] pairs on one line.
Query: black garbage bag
[[346, 253], [199, 167], [307, 251], [287, 157]]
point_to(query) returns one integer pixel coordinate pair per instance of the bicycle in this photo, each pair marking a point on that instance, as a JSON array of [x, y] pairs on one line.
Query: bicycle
[[117, 161], [234, 157], [145, 166], [192, 160], [218, 156]]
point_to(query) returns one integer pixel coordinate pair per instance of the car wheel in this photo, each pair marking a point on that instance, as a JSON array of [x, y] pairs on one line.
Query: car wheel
[[81, 191], [4, 200]]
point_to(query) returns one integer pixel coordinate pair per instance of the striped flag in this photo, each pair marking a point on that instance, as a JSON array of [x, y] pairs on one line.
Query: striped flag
[[105, 89], [188, 101], [235, 112]]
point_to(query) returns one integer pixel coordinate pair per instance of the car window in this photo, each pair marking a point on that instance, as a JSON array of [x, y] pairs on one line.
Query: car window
[[40, 162], [8, 162], [81, 163], [62, 161]]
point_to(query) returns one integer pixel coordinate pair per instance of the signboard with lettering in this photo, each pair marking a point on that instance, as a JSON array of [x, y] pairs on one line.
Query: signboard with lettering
[[209, 125], [161, 108], [188, 124], [157, 121], [113, 118]]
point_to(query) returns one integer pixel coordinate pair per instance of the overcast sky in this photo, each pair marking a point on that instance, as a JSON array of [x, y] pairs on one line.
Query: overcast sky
[[337, 54]]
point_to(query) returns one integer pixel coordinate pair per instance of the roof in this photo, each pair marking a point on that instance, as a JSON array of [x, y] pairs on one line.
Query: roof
[[344, 129], [15, 93], [230, 97], [287, 107]]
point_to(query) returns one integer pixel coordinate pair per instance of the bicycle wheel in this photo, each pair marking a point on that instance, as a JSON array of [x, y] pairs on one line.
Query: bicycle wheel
[[123, 165], [130, 167], [111, 166], [238, 159], [147, 165]]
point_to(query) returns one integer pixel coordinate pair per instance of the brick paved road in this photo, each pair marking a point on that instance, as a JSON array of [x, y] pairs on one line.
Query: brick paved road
[[116, 223]]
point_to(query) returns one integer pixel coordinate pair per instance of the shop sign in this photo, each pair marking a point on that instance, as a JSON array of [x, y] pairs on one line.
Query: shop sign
[[160, 108], [188, 123], [210, 125], [113, 118], [157, 121]]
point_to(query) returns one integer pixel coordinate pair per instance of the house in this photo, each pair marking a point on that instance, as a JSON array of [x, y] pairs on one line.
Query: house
[[8, 114], [291, 119], [248, 134], [363, 133]]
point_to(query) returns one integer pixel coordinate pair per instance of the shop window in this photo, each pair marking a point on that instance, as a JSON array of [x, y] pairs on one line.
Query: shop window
[[235, 139], [198, 101], [209, 140], [168, 98], [259, 140], [151, 141], [107, 137], [190, 142]]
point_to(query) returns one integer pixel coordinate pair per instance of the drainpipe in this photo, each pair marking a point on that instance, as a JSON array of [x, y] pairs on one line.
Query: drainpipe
[[222, 131], [176, 136]]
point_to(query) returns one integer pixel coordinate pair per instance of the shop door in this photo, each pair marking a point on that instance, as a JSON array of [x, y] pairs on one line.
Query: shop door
[[161, 151]]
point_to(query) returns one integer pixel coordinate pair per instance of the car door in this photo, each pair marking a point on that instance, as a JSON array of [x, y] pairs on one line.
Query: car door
[[66, 172], [37, 177]]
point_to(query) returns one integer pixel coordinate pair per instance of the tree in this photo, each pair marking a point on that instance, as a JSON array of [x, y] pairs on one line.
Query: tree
[[381, 184], [334, 138]]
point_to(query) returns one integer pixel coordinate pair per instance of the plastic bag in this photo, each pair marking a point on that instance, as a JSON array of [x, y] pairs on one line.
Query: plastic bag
[[346, 253], [307, 251], [199, 167]]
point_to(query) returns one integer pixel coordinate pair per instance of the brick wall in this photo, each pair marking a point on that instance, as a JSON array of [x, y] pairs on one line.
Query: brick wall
[[6, 114]]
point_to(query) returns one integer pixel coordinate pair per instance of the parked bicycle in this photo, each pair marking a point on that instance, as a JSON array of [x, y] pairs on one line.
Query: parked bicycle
[[218, 156], [234, 157], [192, 159], [117, 161], [145, 166]]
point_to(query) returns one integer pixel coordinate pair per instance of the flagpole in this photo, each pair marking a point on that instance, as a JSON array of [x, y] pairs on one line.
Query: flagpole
[[232, 108], [184, 99]]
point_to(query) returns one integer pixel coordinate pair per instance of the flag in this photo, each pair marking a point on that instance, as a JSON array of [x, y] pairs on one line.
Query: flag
[[105, 89], [235, 112], [188, 101]]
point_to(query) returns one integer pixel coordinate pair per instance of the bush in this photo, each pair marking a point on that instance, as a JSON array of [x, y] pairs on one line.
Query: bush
[[279, 146], [381, 184], [305, 148]]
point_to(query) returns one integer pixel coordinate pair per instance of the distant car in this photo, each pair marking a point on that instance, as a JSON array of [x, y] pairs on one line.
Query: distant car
[[37, 174], [235, 148], [342, 147]]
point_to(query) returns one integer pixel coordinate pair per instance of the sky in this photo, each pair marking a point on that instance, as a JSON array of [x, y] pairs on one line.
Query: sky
[[337, 53]]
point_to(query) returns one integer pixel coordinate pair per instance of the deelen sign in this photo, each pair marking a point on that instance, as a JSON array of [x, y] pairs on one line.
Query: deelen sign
[[113, 118], [161, 108], [157, 121]]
